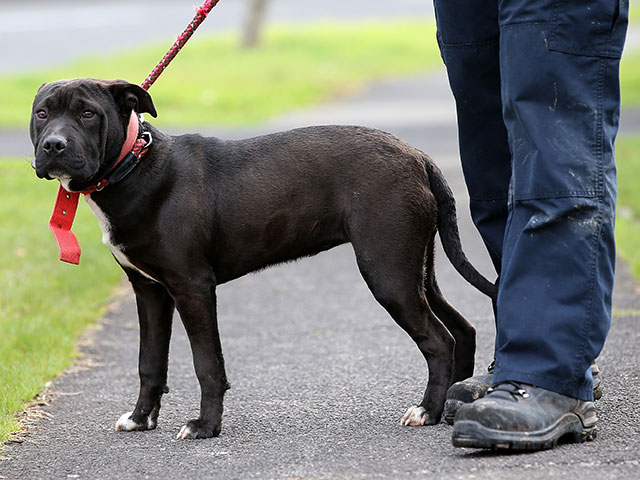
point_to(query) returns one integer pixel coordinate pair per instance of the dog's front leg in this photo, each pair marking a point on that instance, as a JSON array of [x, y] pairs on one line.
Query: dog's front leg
[[197, 307], [155, 314]]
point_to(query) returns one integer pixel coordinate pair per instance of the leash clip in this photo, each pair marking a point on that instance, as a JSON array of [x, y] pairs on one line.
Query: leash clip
[[148, 139]]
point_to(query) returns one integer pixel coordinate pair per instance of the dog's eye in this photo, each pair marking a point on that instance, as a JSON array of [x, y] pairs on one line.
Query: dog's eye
[[88, 114], [41, 114]]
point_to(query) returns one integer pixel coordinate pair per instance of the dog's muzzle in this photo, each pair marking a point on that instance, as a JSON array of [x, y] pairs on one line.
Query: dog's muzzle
[[49, 152], [48, 170]]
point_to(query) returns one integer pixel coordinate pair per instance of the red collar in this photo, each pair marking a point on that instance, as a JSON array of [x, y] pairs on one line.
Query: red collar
[[129, 143], [64, 210]]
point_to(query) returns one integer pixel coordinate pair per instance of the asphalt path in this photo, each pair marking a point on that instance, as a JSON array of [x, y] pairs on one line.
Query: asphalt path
[[320, 374]]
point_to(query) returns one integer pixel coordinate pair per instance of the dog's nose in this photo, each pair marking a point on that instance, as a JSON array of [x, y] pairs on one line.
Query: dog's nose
[[54, 145]]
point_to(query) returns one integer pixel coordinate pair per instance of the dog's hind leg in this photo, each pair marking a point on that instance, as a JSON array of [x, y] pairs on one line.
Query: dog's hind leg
[[196, 303], [394, 272], [463, 332], [155, 313]]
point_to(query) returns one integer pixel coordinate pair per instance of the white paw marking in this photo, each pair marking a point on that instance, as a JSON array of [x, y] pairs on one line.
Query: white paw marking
[[186, 433], [415, 416], [125, 424]]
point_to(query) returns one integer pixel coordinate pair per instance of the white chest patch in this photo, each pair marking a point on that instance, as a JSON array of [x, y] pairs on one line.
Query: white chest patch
[[64, 181], [107, 238]]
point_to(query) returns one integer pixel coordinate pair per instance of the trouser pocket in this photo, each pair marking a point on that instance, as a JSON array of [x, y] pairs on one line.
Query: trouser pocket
[[589, 27]]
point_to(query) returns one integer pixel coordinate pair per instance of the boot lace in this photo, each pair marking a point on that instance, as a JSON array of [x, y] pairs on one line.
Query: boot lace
[[513, 388], [492, 366]]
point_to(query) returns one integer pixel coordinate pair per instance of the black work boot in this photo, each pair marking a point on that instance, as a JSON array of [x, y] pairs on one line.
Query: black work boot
[[466, 391], [522, 417]]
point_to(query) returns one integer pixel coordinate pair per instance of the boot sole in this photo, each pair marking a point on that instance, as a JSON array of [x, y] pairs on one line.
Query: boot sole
[[471, 434], [451, 406]]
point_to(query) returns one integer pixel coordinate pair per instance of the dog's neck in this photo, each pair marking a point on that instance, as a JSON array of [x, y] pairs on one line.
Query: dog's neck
[[115, 198], [132, 145]]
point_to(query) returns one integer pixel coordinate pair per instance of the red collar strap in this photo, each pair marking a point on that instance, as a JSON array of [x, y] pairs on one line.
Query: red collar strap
[[64, 210]]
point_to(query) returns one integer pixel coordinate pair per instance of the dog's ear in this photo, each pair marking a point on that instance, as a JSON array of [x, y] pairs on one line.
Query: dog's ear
[[42, 86], [129, 96]]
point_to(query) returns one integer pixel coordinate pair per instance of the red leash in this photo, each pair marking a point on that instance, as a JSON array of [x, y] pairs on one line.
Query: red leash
[[64, 210], [201, 13]]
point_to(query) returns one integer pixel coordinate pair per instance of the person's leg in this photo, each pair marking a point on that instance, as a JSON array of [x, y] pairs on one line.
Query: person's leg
[[559, 77], [468, 35], [561, 110], [469, 40]]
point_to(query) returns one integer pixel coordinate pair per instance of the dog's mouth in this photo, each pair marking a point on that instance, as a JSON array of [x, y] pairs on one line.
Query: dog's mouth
[[67, 167], [60, 175], [56, 173], [49, 173], [52, 173]]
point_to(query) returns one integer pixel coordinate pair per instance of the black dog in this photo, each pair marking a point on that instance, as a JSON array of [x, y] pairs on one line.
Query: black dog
[[198, 212]]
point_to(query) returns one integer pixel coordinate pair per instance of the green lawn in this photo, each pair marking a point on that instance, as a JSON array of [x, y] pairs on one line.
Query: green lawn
[[628, 221], [628, 162], [44, 304], [630, 79], [212, 81]]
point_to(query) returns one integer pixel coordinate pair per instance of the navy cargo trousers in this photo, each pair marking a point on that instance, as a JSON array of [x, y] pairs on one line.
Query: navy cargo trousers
[[537, 95]]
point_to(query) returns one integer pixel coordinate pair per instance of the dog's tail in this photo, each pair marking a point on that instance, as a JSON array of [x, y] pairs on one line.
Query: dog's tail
[[449, 233]]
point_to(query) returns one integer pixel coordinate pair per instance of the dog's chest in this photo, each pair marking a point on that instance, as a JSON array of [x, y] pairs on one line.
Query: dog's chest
[[107, 239]]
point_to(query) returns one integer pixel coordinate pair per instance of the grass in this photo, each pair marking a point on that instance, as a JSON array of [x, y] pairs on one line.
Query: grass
[[44, 304], [628, 221], [630, 79], [213, 81]]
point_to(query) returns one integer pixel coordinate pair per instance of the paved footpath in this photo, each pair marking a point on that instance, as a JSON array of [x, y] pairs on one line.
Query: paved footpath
[[320, 374]]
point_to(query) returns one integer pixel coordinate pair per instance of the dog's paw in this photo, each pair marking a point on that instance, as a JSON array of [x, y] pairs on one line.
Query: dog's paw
[[197, 429], [126, 424], [416, 416]]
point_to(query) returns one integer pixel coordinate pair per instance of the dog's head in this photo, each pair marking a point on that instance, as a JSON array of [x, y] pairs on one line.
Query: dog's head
[[78, 126]]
